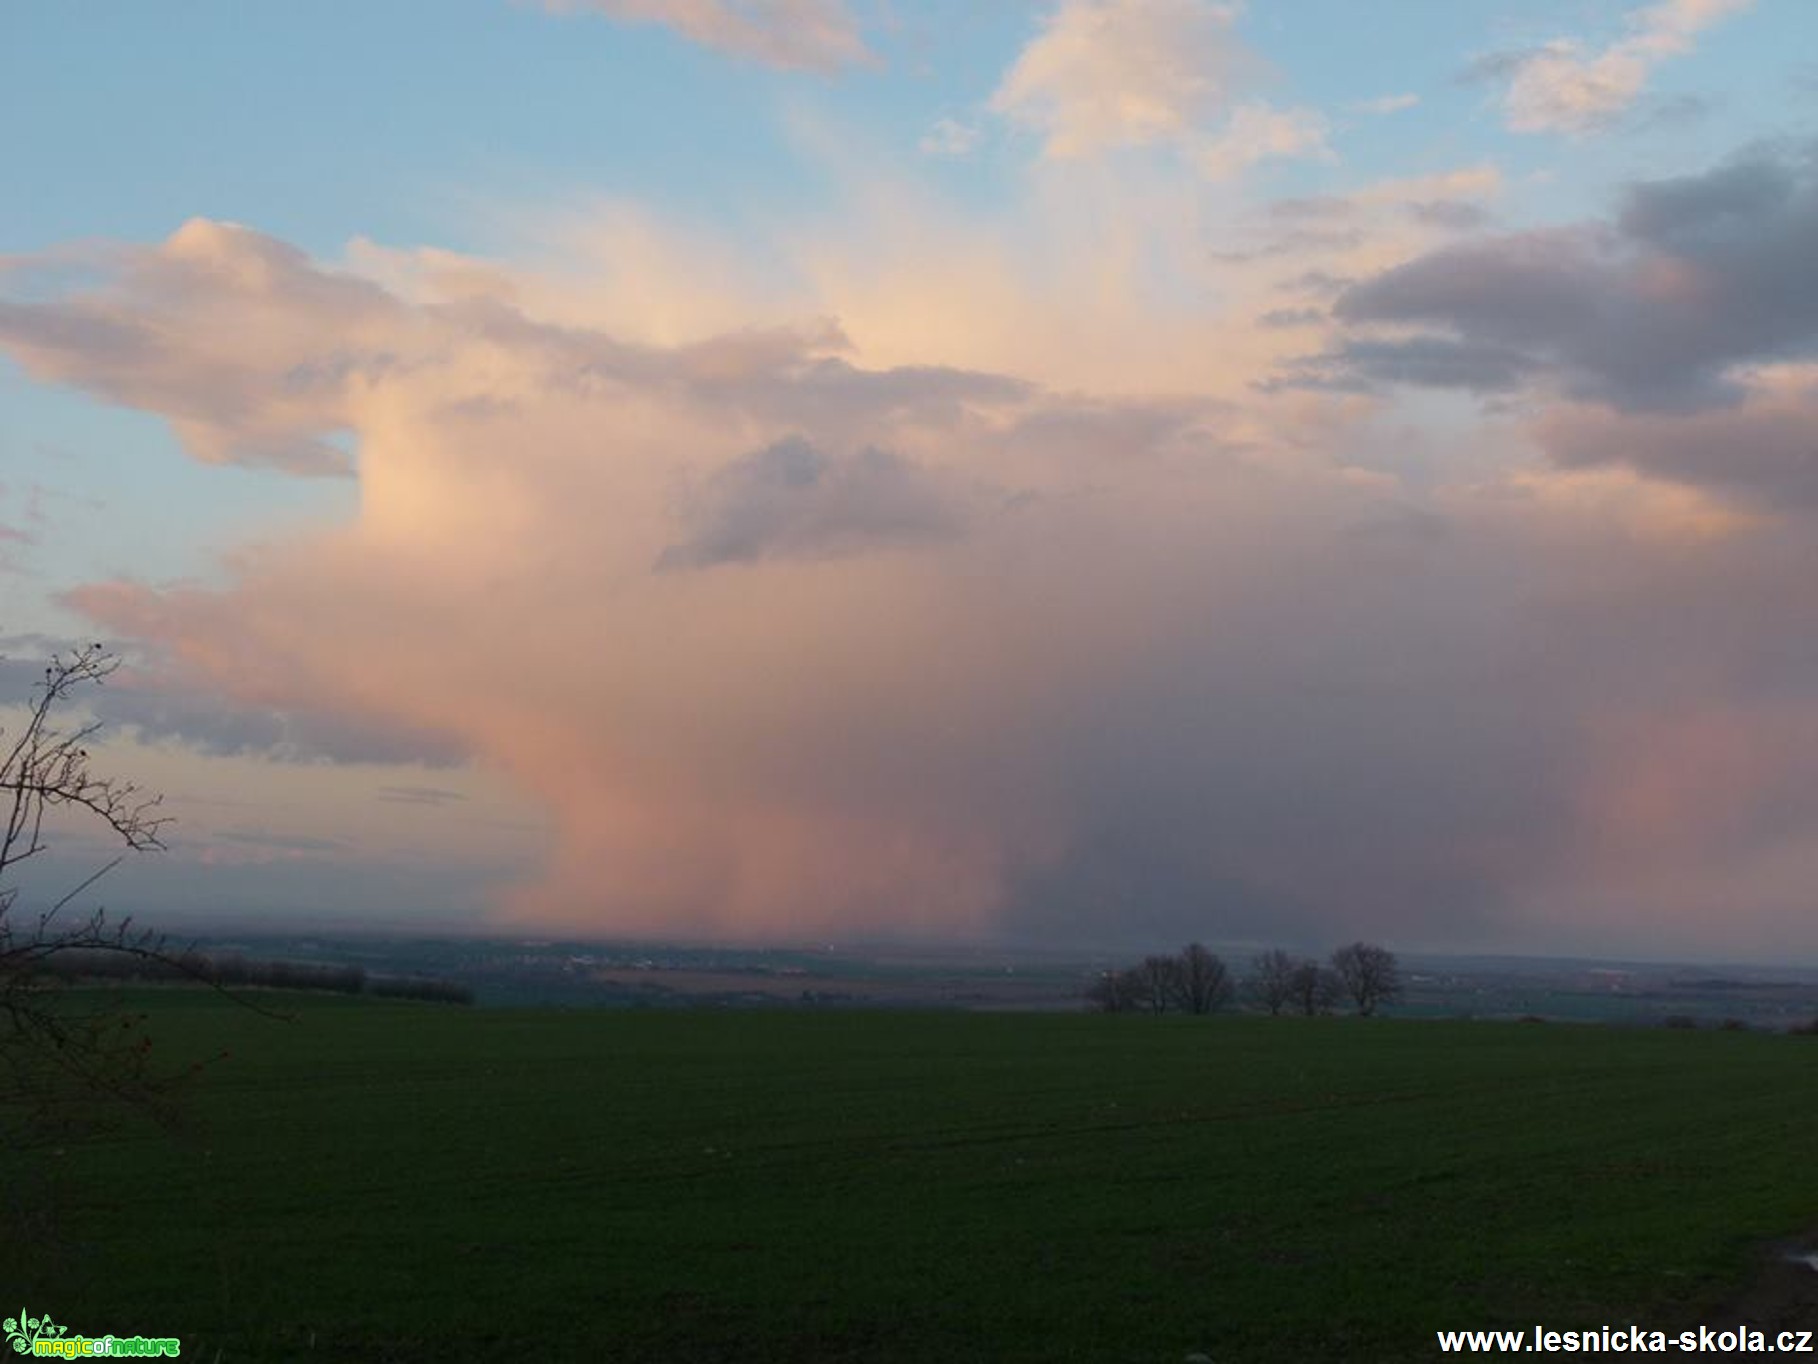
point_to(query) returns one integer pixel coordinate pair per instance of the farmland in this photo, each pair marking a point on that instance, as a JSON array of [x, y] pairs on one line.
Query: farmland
[[382, 1180]]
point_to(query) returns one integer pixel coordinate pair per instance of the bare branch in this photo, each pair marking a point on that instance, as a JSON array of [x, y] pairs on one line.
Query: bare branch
[[59, 1050]]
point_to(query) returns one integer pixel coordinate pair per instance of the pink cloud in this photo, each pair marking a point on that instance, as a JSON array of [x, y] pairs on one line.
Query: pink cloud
[[815, 35], [1563, 87], [1108, 74], [789, 643]]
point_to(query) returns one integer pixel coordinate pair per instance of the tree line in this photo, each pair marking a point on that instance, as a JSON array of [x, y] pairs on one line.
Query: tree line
[[230, 969], [1196, 980]]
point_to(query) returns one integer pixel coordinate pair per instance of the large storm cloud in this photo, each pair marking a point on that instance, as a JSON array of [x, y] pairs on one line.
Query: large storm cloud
[[787, 642]]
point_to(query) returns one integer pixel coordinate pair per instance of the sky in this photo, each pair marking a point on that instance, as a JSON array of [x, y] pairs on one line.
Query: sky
[[1088, 472]]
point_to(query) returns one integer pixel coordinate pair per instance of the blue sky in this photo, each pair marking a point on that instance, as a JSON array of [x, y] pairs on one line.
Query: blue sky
[[324, 122], [782, 467]]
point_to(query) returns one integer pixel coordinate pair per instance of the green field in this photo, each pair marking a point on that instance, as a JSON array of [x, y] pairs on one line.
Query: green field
[[397, 1182]]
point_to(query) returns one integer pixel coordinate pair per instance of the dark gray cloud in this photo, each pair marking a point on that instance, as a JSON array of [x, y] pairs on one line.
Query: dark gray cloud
[[1292, 317], [785, 375], [1147, 879], [830, 389], [1318, 208], [1079, 432], [157, 710], [1652, 310], [1295, 239], [1360, 363], [792, 500], [1319, 283], [1245, 779], [1453, 215], [1764, 453]]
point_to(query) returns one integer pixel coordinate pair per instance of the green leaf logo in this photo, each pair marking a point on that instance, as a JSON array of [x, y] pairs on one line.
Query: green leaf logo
[[23, 1330]]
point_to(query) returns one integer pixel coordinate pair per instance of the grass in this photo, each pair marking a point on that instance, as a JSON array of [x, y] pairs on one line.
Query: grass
[[390, 1181]]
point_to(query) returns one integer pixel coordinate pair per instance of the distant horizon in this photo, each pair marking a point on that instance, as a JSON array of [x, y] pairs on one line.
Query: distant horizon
[[1236, 955]]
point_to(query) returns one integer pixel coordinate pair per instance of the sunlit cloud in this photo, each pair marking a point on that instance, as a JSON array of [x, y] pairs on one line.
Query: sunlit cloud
[[1256, 132], [1109, 74], [815, 35], [1112, 73], [824, 622], [1564, 87]]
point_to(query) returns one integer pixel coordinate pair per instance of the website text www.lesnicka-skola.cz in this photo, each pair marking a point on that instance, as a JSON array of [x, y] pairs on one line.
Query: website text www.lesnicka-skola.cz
[[1630, 1340]]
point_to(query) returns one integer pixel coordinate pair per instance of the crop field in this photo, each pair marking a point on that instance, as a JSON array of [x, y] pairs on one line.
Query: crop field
[[398, 1181]]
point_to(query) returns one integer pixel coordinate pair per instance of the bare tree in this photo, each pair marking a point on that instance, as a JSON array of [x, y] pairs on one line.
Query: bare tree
[[1271, 979], [1158, 982], [56, 1051], [1312, 988], [1370, 975], [1115, 992], [1202, 982]]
